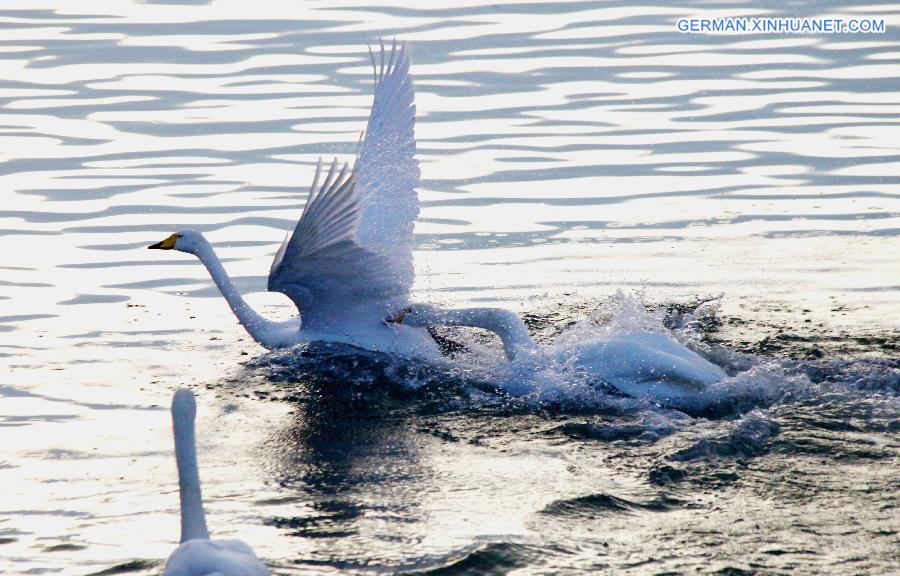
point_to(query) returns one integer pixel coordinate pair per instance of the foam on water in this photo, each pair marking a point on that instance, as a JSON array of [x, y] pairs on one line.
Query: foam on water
[[544, 377]]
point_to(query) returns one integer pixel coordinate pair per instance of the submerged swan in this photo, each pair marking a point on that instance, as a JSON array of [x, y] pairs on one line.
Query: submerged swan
[[198, 555], [348, 262], [645, 364]]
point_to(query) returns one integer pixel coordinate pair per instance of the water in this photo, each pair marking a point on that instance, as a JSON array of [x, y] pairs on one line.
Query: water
[[569, 150]]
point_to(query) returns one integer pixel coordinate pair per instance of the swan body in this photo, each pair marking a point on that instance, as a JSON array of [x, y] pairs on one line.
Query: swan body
[[214, 558], [348, 261], [354, 323], [197, 555], [650, 365]]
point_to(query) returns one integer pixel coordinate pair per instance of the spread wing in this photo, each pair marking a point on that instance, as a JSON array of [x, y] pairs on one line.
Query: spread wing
[[320, 264], [386, 171], [353, 243]]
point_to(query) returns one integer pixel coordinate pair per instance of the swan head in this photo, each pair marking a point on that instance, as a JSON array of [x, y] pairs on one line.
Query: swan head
[[184, 241], [184, 407], [418, 315]]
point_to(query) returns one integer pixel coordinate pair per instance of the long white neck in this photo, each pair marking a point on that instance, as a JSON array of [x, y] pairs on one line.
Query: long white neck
[[258, 327], [193, 521], [507, 325]]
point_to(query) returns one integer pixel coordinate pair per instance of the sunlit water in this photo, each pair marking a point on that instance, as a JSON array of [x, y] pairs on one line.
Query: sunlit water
[[568, 150]]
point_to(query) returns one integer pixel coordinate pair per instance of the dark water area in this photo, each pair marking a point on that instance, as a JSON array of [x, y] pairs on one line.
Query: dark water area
[[803, 480]]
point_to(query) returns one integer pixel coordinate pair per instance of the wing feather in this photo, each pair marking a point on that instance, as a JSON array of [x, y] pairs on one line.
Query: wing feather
[[353, 242], [386, 170], [320, 264]]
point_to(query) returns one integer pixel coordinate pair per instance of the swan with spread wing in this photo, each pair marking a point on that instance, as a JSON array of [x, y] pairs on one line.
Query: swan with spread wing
[[348, 262], [348, 267]]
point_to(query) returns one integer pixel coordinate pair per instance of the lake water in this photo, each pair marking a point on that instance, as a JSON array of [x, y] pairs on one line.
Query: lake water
[[569, 150]]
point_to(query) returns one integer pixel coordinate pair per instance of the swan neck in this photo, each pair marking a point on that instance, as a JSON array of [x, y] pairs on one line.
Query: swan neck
[[257, 326], [507, 325], [193, 520]]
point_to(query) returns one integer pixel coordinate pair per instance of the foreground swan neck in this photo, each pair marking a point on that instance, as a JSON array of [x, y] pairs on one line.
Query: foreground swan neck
[[193, 520], [257, 326]]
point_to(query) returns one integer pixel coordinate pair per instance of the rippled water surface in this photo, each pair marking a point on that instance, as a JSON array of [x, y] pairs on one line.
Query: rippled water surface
[[569, 150]]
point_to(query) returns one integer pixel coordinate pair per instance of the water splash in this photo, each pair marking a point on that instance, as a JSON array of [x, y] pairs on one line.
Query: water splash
[[555, 375]]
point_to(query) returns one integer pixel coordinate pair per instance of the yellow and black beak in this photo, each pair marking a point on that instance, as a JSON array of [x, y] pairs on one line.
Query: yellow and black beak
[[166, 244]]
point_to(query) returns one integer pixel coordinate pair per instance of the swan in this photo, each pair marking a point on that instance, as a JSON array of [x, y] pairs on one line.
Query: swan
[[347, 266], [642, 364], [197, 555], [348, 261]]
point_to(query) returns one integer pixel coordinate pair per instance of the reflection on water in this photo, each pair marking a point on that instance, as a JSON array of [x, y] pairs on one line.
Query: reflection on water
[[568, 149]]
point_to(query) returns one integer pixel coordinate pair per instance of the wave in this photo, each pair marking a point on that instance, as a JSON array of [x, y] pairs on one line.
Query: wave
[[748, 438], [595, 504], [496, 558]]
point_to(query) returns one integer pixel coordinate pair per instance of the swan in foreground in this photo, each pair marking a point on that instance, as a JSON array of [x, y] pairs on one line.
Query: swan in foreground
[[641, 364], [198, 555], [348, 262]]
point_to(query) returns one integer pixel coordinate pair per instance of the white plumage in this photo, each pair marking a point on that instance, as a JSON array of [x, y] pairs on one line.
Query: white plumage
[[642, 364], [354, 240], [348, 262], [198, 555]]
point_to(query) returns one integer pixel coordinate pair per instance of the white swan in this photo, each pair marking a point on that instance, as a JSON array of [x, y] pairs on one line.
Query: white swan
[[348, 265], [650, 365], [348, 262], [198, 555]]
